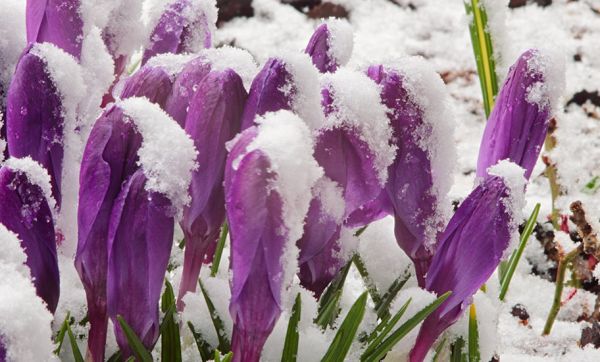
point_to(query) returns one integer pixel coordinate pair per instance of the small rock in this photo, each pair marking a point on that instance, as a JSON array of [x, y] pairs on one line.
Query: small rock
[[520, 312], [591, 335]]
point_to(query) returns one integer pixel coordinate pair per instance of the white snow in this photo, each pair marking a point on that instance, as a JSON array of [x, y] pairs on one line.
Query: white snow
[[173, 64], [35, 173], [546, 94], [12, 38], [329, 193], [341, 40], [237, 59], [167, 155]]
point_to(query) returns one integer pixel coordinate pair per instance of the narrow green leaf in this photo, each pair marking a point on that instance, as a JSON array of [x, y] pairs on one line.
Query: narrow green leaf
[[457, 354], [592, 186], [181, 244], [214, 268], [169, 328], [347, 331], [438, 350], [61, 334], [330, 311], [474, 355], [130, 359], [404, 329], [224, 344], [228, 357], [290, 346], [74, 347], [116, 357], [361, 230], [329, 301], [516, 256], [364, 273], [383, 307], [205, 349], [136, 345], [388, 326]]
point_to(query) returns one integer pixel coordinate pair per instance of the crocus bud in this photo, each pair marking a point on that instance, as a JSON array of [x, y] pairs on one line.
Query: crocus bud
[[420, 176], [266, 204], [517, 127], [213, 119], [56, 21], [285, 83], [331, 45], [26, 318], [475, 240], [110, 158], [26, 210], [185, 26]]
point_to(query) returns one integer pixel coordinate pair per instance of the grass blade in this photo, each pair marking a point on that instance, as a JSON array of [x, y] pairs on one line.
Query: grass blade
[[60, 337], [169, 328], [383, 307], [388, 326], [516, 256], [74, 347], [483, 51], [329, 301], [290, 347], [474, 355], [204, 348], [364, 273], [457, 354], [224, 344], [214, 268], [377, 354], [438, 351], [345, 335], [136, 345]]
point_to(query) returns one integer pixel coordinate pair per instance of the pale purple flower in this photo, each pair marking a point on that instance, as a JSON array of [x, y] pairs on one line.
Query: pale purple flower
[[330, 46]]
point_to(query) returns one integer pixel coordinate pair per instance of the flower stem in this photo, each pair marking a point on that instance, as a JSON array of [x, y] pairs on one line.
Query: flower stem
[[560, 283]]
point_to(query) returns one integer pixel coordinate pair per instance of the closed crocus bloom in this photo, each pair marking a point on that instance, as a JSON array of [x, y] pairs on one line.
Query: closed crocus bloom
[[266, 204], [184, 87], [420, 176], [153, 83], [285, 83], [184, 26], [519, 121], [26, 210], [213, 119], [331, 45], [56, 21], [110, 158], [475, 240]]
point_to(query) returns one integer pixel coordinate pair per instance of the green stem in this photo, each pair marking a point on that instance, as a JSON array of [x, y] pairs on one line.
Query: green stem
[[560, 284], [552, 177], [219, 252]]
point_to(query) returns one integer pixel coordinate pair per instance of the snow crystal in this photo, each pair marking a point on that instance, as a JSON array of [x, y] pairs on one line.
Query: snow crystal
[[564, 240], [341, 40], [173, 64], [12, 38], [329, 193], [287, 141], [551, 64], [357, 104], [167, 155], [237, 59], [124, 27], [26, 318], [35, 173]]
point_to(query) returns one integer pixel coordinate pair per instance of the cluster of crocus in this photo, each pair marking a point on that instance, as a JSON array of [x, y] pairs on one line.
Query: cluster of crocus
[[310, 150]]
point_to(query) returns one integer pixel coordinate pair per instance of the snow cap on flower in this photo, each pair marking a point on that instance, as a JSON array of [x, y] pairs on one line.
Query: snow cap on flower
[[517, 127], [473, 244], [55, 21], [421, 174], [213, 118], [353, 146], [331, 45], [184, 26], [26, 210], [289, 82], [19, 299], [266, 205]]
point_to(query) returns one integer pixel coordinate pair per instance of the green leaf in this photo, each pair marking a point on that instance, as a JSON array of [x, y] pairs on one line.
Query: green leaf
[[438, 350], [361, 230], [290, 347], [381, 333], [136, 345], [516, 256], [61, 334], [116, 357], [224, 344], [474, 355], [378, 353], [383, 307], [205, 349], [592, 186], [228, 357], [347, 331], [74, 347], [329, 301], [181, 244], [457, 354], [169, 328], [483, 51], [214, 268], [364, 273]]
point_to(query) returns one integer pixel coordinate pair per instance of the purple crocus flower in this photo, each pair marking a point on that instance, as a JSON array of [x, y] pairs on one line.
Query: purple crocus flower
[[330, 45], [154, 83], [185, 26], [517, 127], [26, 210], [55, 21], [35, 117], [110, 158], [213, 119], [266, 204], [471, 248], [139, 242]]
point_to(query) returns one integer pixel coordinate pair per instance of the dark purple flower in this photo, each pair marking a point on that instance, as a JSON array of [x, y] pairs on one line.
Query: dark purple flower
[[110, 158], [140, 237], [330, 45], [56, 21], [185, 26], [517, 127], [35, 117], [213, 119], [471, 248], [154, 83], [26, 211]]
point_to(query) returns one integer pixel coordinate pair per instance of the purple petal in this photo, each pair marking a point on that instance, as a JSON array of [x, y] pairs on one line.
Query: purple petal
[[34, 120], [55, 21], [374, 210], [140, 240], [213, 119], [154, 83], [330, 45], [25, 211]]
